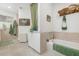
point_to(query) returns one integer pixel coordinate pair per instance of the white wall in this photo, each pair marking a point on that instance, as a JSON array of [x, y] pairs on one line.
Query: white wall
[[33, 37], [34, 41], [46, 9], [43, 26], [24, 13], [24, 30], [72, 19]]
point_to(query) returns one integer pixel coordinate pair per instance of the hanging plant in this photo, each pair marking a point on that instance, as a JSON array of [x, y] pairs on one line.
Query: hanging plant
[[64, 24]]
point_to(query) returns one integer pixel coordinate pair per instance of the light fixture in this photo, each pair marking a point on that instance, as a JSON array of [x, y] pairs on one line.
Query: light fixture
[[64, 24], [9, 6]]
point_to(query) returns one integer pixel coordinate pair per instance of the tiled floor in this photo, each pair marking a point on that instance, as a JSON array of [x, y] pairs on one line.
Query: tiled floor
[[22, 49]]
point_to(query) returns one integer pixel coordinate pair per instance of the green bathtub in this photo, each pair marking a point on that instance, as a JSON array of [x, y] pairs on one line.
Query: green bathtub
[[66, 50]]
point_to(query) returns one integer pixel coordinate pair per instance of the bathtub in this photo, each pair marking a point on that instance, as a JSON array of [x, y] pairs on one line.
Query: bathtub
[[66, 43], [66, 47]]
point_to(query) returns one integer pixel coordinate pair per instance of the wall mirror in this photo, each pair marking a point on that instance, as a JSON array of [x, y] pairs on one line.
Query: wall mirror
[[24, 22]]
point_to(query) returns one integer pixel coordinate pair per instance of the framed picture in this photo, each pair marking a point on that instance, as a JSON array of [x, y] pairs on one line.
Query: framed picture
[[48, 18], [24, 22]]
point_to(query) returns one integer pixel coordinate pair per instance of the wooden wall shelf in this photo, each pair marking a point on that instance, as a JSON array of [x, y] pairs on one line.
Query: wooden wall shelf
[[69, 10]]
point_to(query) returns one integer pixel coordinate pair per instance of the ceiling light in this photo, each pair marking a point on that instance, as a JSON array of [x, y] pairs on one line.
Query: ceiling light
[[9, 6]]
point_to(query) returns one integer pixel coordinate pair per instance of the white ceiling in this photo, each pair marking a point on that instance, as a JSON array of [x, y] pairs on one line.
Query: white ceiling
[[14, 6]]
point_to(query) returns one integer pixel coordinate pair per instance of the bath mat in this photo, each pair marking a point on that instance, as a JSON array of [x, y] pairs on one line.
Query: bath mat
[[5, 43]]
